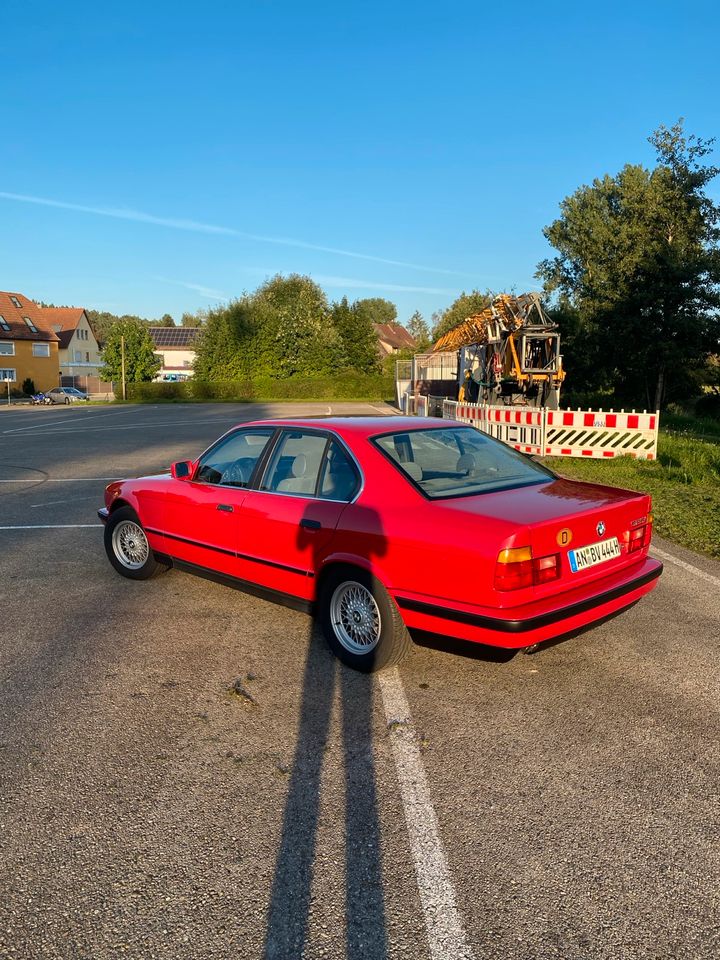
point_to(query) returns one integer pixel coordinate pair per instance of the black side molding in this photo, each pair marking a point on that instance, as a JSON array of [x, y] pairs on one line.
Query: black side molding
[[264, 593], [231, 553], [533, 623]]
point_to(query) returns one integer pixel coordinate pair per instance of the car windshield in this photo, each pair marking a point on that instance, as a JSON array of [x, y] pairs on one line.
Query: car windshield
[[459, 462]]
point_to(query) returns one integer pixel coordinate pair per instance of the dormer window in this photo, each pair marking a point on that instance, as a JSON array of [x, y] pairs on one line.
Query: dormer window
[[30, 324], [16, 302], [4, 324]]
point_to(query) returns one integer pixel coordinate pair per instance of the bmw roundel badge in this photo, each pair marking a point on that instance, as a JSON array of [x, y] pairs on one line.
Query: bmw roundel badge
[[600, 528]]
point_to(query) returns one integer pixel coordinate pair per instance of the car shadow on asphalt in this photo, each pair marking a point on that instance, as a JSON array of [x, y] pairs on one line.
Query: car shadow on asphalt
[[291, 898], [292, 890]]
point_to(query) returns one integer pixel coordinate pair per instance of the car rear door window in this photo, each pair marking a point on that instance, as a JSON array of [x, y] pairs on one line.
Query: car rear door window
[[339, 478], [232, 461], [295, 463]]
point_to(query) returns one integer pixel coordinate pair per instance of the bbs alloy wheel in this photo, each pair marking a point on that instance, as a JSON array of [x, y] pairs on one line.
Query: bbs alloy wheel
[[127, 546], [360, 620], [130, 544], [355, 617]]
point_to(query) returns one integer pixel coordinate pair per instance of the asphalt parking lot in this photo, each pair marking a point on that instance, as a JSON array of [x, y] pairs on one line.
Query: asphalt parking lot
[[563, 804]]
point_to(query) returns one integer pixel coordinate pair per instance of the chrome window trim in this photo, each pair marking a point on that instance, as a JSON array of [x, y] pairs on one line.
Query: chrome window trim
[[277, 429], [331, 434]]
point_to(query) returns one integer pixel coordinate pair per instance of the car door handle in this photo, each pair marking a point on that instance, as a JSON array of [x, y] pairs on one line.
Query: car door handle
[[310, 524], [226, 507]]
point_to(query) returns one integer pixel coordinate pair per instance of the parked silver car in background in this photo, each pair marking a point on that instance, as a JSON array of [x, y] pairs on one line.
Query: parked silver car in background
[[66, 395]]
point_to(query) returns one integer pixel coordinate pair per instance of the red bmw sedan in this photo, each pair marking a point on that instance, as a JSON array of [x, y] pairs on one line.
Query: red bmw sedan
[[384, 524]]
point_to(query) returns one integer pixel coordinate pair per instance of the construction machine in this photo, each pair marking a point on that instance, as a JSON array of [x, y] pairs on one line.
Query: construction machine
[[508, 353]]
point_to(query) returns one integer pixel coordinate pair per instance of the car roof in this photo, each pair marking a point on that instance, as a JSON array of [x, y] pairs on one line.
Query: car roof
[[356, 426]]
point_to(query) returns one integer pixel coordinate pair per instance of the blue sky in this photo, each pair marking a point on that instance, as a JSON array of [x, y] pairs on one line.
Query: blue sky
[[407, 150]]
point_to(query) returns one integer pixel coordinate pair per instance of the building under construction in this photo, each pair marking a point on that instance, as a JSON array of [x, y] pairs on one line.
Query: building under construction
[[509, 353]]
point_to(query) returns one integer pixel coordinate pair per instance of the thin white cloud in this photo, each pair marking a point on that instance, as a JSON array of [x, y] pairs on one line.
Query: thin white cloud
[[350, 283], [208, 292], [139, 216]]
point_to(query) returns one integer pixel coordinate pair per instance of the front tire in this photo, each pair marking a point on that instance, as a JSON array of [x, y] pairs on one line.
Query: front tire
[[360, 621], [127, 546]]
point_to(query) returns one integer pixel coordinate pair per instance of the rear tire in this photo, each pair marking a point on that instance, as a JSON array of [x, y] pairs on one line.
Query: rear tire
[[127, 546], [67, 401], [360, 621]]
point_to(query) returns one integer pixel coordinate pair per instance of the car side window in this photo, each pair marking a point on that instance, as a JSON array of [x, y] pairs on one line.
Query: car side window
[[232, 461], [295, 463], [339, 478]]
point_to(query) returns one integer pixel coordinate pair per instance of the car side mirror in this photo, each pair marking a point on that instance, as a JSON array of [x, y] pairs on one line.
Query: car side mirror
[[182, 469]]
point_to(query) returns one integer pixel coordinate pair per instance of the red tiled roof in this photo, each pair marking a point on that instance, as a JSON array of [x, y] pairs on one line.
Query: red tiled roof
[[395, 335], [67, 318], [14, 317]]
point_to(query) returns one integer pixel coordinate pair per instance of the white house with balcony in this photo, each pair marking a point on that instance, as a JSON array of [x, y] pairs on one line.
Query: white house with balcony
[[176, 348]]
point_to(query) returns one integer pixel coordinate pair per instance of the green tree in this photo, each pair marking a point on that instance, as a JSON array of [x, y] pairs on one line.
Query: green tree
[[376, 310], [226, 348], [165, 321], [358, 336], [193, 319], [419, 331], [638, 269], [294, 332], [465, 306], [141, 363], [101, 321]]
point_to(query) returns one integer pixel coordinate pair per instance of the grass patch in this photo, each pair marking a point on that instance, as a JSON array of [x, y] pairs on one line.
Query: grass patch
[[684, 483]]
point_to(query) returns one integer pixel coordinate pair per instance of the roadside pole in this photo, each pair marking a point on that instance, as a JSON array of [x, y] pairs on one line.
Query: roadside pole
[[7, 381], [122, 361]]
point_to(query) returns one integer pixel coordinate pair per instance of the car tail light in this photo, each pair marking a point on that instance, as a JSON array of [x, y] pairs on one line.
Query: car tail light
[[640, 537], [517, 568]]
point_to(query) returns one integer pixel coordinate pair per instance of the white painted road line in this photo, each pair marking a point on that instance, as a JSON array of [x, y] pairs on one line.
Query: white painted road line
[[76, 418], [445, 933], [695, 571], [38, 480], [53, 503], [54, 526]]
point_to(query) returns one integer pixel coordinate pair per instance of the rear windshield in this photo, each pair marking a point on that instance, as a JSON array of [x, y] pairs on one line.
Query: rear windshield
[[459, 462]]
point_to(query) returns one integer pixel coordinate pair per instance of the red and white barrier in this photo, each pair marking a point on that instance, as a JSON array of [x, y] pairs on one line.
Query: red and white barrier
[[587, 433], [564, 433]]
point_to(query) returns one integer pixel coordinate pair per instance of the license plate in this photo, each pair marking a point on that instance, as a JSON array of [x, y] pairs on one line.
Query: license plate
[[594, 554]]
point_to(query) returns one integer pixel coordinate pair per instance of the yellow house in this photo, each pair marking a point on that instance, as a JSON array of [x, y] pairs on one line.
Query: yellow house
[[28, 350]]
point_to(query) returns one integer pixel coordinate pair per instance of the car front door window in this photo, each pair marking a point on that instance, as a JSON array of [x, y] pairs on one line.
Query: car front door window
[[232, 462]]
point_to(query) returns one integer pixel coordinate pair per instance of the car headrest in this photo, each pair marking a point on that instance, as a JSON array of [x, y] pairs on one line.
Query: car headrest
[[299, 466], [413, 470], [466, 463]]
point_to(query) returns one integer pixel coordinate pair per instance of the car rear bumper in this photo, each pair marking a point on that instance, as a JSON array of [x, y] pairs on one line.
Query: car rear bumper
[[522, 626]]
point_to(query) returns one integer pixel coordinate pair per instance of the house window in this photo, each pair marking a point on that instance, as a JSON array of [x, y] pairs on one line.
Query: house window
[[41, 349], [30, 324], [87, 357], [4, 324], [7, 349], [16, 302], [7, 374], [78, 356]]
